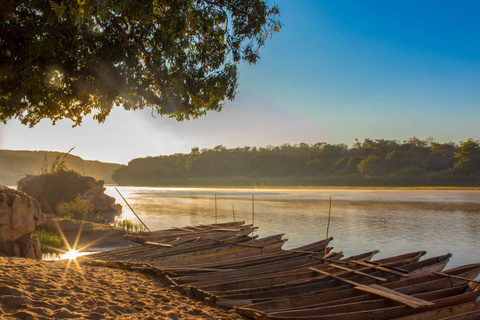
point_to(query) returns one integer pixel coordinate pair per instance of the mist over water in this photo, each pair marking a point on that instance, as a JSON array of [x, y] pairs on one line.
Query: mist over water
[[392, 221]]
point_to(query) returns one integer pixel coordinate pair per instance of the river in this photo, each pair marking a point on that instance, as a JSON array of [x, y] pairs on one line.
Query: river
[[392, 221]]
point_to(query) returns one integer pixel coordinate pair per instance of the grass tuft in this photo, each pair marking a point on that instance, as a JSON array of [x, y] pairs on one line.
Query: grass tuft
[[129, 226], [47, 239]]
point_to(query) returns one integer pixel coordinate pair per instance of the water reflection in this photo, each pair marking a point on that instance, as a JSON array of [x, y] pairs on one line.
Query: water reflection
[[69, 255], [392, 221]]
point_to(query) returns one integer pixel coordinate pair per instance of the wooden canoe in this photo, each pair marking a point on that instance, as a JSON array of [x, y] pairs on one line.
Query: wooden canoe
[[315, 285], [262, 268], [458, 276], [464, 311], [243, 262], [148, 251], [186, 229], [252, 265], [260, 246], [296, 275], [453, 277], [381, 309], [156, 236]]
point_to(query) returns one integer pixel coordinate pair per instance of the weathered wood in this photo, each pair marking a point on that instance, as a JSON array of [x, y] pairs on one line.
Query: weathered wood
[[252, 261], [464, 311], [159, 244], [268, 267], [177, 232], [241, 244], [381, 268], [308, 286], [357, 272], [455, 277], [183, 229], [346, 294], [196, 257], [196, 269], [282, 280], [380, 309], [394, 295]]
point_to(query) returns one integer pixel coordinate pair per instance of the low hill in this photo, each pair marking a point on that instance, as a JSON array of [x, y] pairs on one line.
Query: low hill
[[15, 165]]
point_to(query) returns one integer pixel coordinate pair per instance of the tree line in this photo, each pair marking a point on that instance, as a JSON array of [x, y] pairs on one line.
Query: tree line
[[377, 162]]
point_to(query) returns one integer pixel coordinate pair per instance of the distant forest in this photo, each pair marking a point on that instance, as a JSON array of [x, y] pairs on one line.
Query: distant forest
[[15, 165], [413, 162]]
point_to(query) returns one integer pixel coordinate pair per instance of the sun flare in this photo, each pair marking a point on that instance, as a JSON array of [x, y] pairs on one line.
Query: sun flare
[[71, 254]]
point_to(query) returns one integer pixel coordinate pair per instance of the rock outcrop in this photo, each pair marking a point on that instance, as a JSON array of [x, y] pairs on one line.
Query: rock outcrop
[[102, 203], [61, 187], [20, 214]]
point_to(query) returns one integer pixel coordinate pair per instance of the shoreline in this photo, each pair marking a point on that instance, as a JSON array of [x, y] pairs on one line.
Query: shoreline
[[430, 188]]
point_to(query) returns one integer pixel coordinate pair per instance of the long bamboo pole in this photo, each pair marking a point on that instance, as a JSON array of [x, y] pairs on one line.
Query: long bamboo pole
[[136, 215], [215, 208], [328, 223], [253, 214]]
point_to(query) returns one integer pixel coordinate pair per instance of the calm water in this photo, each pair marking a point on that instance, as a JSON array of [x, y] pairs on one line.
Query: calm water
[[392, 221]]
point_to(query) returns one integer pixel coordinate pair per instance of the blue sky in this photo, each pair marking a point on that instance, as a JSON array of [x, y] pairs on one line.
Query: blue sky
[[336, 72]]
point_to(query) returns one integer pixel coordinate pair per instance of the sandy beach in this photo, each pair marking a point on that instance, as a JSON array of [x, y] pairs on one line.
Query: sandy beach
[[32, 289], [63, 289]]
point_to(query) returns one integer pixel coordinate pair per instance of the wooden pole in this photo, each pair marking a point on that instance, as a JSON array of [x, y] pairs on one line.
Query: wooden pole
[[215, 208], [253, 215], [136, 215], [328, 223], [233, 210]]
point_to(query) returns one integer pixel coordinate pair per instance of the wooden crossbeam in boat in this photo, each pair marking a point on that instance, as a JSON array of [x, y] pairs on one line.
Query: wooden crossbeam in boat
[[238, 244], [158, 244], [357, 272], [380, 267], [196, 228], [390, 267], [455, 277], [183, 229], [381, 291], [395, 296]]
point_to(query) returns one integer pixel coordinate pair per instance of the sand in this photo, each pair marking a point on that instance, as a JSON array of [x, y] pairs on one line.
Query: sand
[[33, 289], [62, 289]]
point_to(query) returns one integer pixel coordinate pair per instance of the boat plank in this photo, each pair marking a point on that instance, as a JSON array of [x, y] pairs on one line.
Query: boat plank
[[380, 291], [358, 272]]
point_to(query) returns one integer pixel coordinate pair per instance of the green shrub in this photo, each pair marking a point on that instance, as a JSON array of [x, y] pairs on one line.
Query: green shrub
[[78, 209], [129, 226], [412, 171], [47, 239]]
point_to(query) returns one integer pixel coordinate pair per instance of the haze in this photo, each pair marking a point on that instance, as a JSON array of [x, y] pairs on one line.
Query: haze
[[336, 72]]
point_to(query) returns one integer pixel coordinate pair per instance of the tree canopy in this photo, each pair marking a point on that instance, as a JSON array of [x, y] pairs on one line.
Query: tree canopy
[[376, 162], [66, 59]]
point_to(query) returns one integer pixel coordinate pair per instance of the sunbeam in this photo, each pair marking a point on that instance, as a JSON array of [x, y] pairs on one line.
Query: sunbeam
[[72, 253]]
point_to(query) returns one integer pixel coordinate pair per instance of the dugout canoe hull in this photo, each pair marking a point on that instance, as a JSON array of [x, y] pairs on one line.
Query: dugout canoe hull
[[260, 247], [464, 311], [268, 267], [381, 309], [456, 276], [298, 275], [316, 285], [453, 277]]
